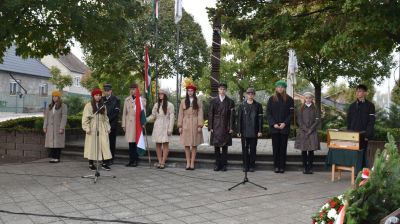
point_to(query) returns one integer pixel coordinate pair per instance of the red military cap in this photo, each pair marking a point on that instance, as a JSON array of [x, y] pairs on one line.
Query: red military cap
[[96, 91], [192, 87]]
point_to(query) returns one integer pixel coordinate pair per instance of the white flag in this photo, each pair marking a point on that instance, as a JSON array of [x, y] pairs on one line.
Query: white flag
[[292, 70], [178, 11]]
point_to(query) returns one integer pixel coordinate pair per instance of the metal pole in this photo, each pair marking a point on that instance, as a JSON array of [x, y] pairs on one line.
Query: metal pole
[[156, 50], [177, 70]]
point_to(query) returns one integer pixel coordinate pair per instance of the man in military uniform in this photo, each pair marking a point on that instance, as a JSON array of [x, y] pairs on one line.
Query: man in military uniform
[[113, 108], [361, 115], [249, 126], [220, 123]]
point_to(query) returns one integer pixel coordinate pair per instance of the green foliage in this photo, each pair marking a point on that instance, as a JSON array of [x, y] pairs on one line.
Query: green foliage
[[24, 123], [308, 27], [121, 63], [396, 94], [380, 195], [59, 80], [40, 28], [74, 103]]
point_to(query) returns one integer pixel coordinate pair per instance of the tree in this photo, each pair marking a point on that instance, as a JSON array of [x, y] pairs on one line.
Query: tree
[[89, 82], [40, 28], [274, 27], [122, 63], [58, 79], [396, 94]]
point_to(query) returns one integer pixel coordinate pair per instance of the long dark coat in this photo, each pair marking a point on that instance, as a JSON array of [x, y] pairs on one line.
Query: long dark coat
[[279, 112], [250, 119], [361, 117], [307, 136], [113, 109], [221, 119]]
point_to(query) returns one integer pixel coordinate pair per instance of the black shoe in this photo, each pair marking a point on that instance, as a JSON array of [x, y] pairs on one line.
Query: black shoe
[[54, 161], [187, 168], [224, 168], [217, 168], [130, 164], [281, 170], [251, 169], [111, 162], [105, 167], [310, 171], [305, 171], [276, 170], [92, 167]]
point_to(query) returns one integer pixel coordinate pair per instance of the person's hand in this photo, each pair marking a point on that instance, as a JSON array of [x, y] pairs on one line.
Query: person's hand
[[276, 126], [239, 135], [211, 130], [230, 131], [88, 132], [259, 134], [199, 129], [124, 129], [180, 130], [169, 133], [309, 132], [61, 131], [282, 125], [44, 130]]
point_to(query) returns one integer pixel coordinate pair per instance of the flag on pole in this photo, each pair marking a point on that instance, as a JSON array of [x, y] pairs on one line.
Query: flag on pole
[[178, 11], [140, 121], [155, 8], [292, 70], [147, 76], [342, 215]]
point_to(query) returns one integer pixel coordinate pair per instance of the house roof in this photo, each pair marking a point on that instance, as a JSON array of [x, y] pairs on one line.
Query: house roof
[[73, 63], [29, 66]]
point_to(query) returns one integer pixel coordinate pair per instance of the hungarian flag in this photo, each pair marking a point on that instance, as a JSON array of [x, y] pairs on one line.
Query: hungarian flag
[[147, 77], [140, 121], [155, 8], [178, 11]]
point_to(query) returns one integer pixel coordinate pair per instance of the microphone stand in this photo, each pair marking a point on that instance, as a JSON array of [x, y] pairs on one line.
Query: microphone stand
[[96, 175], [245, 179]]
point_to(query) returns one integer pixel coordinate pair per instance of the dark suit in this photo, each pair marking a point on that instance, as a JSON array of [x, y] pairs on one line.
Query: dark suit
[[113, 109], [361, 117]]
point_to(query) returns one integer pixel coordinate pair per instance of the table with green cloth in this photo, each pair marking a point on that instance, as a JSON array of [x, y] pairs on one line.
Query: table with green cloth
[[345, 157]]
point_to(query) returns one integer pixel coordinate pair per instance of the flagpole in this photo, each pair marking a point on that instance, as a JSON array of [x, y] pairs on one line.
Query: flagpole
[[177, 70], [156, 50], [147, 145]]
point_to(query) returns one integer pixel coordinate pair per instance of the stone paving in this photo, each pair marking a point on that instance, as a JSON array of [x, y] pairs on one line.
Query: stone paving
[[39, 192]]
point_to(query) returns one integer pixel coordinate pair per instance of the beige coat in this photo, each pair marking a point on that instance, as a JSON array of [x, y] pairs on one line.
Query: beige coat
[[53, 123], [129, 118], [190, 120], [163, 124], [89, 126]]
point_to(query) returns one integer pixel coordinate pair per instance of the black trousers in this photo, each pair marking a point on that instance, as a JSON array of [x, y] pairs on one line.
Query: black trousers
[[249, 151], [55, 153], [221, 159], [133, 156], [308, 158], [279, 149], [113, 140]]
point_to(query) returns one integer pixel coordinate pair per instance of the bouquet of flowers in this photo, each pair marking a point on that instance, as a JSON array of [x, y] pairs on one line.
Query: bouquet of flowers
[[330, 212]]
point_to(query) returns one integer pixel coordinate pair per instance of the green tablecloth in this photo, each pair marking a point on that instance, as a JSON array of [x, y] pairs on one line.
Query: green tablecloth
[[343, 157]]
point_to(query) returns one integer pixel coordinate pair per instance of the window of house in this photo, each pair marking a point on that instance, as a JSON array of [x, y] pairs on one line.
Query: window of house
[[43, 89], [14, 87], [77, 81]]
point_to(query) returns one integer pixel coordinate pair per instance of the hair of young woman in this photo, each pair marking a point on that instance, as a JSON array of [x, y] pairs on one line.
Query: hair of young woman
[[102, 111], [58, 104], [164, 104], [283, 94], [187, 102]]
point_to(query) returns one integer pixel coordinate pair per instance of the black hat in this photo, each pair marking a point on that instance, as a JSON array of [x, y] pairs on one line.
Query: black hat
[[133, 86], [363, 87], [221, 84], [107, 87]]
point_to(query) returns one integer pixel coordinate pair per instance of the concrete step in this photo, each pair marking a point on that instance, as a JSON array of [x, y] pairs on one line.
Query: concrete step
[[207, 160]]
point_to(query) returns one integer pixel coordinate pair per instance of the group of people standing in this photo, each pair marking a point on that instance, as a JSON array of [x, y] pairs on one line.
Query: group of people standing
[[100, 123]]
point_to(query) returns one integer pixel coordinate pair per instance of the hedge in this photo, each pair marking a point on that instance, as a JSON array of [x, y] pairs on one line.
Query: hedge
[[74, 121]]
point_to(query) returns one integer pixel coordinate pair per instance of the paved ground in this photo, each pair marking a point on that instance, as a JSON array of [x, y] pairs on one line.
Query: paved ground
[[40, 192]]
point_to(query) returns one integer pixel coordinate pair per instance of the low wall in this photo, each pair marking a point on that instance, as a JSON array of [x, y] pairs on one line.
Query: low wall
[[29, 143]]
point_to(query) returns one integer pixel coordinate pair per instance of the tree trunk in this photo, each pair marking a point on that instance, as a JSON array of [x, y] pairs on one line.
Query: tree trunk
[[241, 93], [318, 89]]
